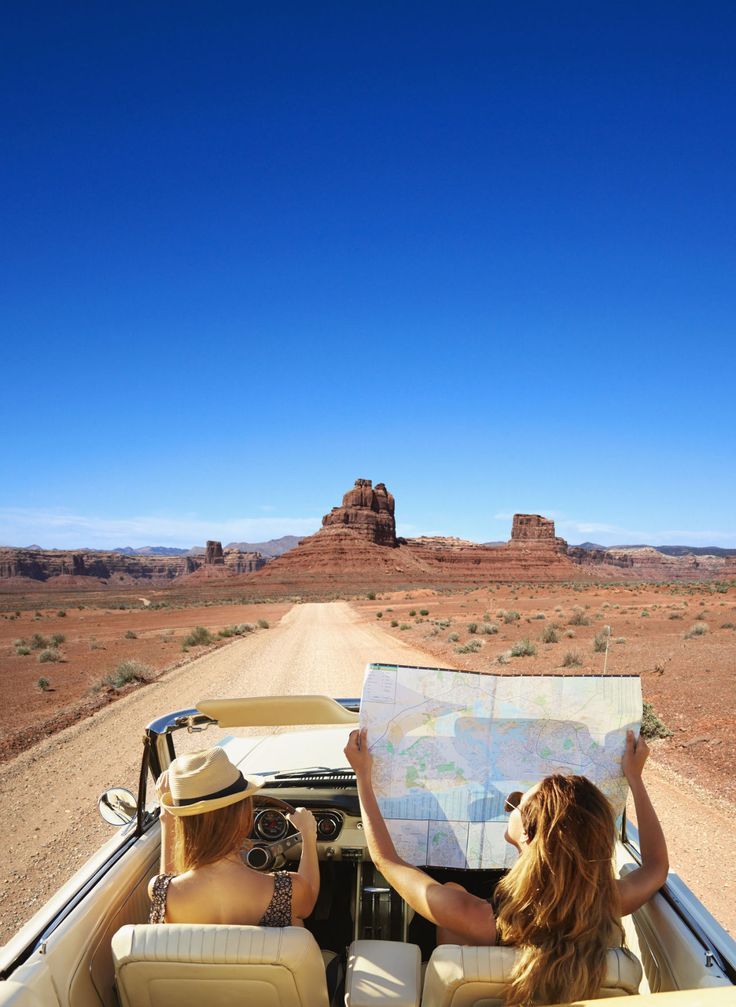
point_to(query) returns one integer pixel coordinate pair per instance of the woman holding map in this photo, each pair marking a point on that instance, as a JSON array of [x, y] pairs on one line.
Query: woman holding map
[[561, 903]]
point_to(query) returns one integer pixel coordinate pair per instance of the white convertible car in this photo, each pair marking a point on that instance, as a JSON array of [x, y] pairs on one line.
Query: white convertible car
[[90, 945]]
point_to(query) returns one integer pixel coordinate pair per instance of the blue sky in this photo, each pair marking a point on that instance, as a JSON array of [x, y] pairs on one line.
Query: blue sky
[[481, 252]]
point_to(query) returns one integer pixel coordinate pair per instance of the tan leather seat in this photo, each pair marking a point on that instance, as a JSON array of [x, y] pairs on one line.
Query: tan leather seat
[[478, 977], [193, 965]]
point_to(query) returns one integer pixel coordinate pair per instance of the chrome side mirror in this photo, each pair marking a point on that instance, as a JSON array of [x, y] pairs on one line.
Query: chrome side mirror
[[117, 806]]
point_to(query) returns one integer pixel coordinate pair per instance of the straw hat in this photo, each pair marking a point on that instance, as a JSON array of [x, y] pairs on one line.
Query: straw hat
[[206, 781]]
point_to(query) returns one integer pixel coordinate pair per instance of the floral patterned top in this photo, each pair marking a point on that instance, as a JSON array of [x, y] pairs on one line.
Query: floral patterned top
[[277, 914]]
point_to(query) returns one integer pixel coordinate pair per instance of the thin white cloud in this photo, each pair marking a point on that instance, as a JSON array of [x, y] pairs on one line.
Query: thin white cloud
[[57, 529]]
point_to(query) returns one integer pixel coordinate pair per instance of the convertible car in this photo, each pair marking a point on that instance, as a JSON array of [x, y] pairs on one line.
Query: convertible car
[[90, 945]]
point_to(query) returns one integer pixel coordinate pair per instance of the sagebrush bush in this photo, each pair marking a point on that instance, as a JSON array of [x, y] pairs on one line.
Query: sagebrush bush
[[130, 634], [394, 623], [22, 650], [404, 626], [453, 637], [412, 612], [488, 628], [571, 660], [57, 638], [471, 647], [424, 611], [523, 648], [46, 656], [264, 624], [472, 627], [549, 635], [600, 642], [511, 616], [38, 642], [697, 629], [379, 615], [128, 671], [579, 618], [198, 637], [43, 684], [651, 725]]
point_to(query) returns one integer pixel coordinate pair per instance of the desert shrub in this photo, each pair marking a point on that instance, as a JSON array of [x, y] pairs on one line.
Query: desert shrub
[[600, 643], [263, 624], [651, 725], [57, 639], [94, 644], [128, 671], [453, 637], [549, 635], [442, 623], [523, 648], [675, 615], [424, 611], [47, 656], [371, 596], [61, 613], [38, 642], [43, 684], [198, 637], [404, 626], [644, 613], [728, 625], [389, 610], [620, 639], [504, 658], [394, 623], [579, 618], [697, 629], [131, 634], [22, 650], [412, 612], [471, 647], [379, 615], [488, 628], [511, 616], [569, 634], [571, 659], [539, 615], [240, 629], [472, 627]]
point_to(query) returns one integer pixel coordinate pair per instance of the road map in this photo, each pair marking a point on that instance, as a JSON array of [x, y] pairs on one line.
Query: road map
[[449, 746]]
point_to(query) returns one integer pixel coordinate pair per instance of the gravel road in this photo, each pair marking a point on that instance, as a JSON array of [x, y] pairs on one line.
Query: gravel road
[[50, 822]]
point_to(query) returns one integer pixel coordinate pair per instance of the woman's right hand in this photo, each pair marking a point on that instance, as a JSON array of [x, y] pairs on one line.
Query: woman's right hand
[[304, 822], [635, 756], [358, 754]]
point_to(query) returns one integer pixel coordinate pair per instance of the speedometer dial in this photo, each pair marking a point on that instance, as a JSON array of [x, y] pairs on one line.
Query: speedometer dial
[[270, 825]]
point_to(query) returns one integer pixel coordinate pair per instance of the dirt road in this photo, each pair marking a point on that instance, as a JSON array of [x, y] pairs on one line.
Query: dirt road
[[50, 823]]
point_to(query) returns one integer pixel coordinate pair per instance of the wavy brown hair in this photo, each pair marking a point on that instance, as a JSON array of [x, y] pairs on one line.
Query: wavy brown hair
[[559, 903], [203, 839]]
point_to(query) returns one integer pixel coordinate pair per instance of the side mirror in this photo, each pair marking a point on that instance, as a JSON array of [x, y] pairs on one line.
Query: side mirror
[[117, 806]]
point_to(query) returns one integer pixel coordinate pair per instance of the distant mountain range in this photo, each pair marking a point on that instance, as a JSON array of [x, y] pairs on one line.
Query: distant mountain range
[[668, 550], [274, 547]]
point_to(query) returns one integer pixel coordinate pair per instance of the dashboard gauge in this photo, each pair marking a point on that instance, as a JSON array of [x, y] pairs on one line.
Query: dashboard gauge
[[270, 825], [328, 826]]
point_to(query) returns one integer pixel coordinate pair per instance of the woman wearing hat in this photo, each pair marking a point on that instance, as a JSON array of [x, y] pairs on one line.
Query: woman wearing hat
[[206, 813]]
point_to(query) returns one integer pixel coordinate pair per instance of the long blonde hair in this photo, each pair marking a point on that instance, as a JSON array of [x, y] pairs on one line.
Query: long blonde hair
[[203, 839], [559, 903]]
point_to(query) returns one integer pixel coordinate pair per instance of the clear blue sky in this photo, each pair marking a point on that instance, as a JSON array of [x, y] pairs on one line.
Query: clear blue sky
[[482, 252]]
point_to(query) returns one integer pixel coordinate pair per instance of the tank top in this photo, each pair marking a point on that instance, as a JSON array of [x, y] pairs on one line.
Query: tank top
[[278, 910]]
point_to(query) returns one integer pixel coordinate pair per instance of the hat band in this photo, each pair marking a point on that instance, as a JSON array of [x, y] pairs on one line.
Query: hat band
[[234, 788]]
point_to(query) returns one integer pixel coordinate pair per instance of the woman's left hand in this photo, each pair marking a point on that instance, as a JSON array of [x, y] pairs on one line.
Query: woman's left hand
[[358, 753]]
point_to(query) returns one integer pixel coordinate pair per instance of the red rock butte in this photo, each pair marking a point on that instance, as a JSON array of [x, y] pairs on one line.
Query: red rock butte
[[358, 544]]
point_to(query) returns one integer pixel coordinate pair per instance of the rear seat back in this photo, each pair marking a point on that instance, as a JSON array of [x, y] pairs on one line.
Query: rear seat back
[[479, 977], [197, 965]]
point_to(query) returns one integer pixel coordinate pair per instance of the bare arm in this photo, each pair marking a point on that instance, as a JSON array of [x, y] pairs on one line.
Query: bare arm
[[449, 907], [306, 887], [640, 885]]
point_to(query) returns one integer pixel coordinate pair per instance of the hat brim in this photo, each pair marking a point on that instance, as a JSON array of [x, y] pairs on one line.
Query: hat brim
[[254, 784]]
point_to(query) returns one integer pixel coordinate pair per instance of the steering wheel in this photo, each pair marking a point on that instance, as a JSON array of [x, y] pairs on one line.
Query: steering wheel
[[262, 855]]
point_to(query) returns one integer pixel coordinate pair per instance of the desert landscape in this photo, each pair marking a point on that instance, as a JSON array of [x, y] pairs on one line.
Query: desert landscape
[[85, 658]]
